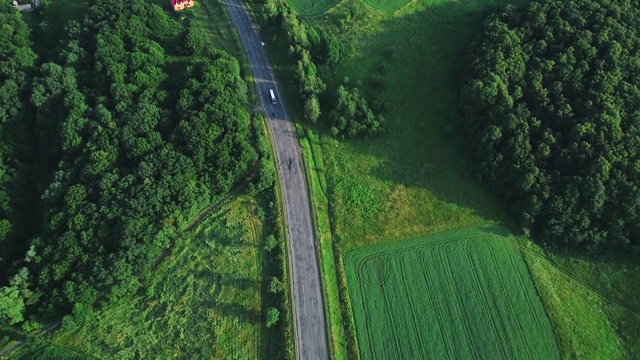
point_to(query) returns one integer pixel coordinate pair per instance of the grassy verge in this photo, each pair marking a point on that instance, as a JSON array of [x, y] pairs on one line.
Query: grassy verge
[[282, 266], [314, 170]]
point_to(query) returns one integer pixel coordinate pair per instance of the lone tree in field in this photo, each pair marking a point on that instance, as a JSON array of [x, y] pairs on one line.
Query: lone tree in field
[[273, 315], [551, 98]]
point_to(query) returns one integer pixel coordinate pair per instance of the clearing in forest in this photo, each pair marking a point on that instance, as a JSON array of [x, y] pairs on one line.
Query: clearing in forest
[[456, 295]]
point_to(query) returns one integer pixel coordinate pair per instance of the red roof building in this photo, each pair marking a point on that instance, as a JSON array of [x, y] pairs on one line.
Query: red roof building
[[182, 4]]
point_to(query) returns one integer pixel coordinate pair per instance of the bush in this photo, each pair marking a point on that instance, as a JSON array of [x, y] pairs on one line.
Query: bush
[[353, 116], [273, 315]]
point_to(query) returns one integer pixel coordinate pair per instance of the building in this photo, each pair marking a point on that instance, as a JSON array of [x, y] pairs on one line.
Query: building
[[26, 5], [182, 4]]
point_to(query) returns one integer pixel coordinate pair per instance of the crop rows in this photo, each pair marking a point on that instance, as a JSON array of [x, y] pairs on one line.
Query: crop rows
[[457, 295]]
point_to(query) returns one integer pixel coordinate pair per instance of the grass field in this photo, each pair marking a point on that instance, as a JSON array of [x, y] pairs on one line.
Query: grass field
[[465, 294], [417, 178], [204, 300], [311, 7], [421, 155], [592, 307], [387, 6]]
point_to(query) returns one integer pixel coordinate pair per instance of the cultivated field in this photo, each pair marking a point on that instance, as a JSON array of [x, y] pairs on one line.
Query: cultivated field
[[459, 295]]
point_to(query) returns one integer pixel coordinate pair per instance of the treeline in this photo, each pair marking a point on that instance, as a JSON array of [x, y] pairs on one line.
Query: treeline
[[133, 146], [17, 62], [551, 97], [308, 49]]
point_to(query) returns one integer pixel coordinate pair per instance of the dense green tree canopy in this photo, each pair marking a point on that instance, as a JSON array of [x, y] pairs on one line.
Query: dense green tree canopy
[[132, 146], [353, 116], [17, 62], [551, 98]]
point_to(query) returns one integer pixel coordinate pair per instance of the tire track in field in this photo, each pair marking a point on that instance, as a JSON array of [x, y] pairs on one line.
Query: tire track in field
[[516, 256], [478, 231], [458, 307], [509, 308], [510, 243], [362, 262], [578, 280], [409, 300], [390, 320], [485, 300], [475, 286], [439, 320], [363, 308]]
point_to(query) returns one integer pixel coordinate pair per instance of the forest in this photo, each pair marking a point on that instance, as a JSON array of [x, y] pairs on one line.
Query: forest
[[126, 142], [551, 103]]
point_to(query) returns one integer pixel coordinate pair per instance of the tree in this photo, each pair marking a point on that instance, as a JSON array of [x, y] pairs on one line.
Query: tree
[[190, 40], [353, 116], [271, 243], [11, 306], [312, 109], [275, 286], [273, 315]]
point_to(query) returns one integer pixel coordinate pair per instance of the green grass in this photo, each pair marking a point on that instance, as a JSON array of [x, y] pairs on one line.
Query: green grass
[[204, 300], [212, 19], [455, 295], [582, 295], [387, 6], [331, 291], [415, 179]]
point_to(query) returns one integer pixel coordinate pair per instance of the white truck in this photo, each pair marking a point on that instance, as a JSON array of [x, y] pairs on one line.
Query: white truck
[[273, 96]]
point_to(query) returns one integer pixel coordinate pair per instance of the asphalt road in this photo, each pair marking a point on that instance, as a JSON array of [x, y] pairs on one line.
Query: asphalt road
[[311, 334]]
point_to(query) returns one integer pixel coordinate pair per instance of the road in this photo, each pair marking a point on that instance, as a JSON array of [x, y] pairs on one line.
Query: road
[[310, 326]]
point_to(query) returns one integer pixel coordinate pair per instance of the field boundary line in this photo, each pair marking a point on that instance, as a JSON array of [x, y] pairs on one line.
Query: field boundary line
[[390, 319], [506, 238], [578, 280], [484, 242], [428, 283], [518, 256], [361, 302]]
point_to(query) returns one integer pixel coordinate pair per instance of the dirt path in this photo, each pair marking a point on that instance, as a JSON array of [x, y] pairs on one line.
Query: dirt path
[[9, 350]]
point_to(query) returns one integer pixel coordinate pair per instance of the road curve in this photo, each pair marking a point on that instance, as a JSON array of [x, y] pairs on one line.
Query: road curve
[[310, 327]]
